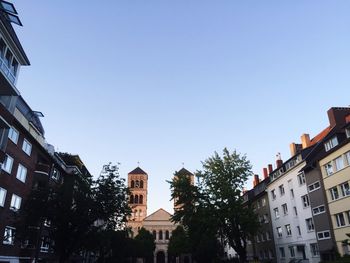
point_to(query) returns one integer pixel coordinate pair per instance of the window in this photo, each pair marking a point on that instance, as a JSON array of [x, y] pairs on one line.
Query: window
[[2, 196], [8, 58], [277, 214], [45, 244], [154, 234], [285, 209], [334, 193], [348, 157], [339, 163], [291, 251], [132, 184], [9, 235], [295, 211], [15, 202], [273, 194], [314, 186], [13, 135], [167, 235], [310, 224], [281, 187], [279, 231], [348, 214], [7, 164], [131, 199], [299, 231], [21, 173], [314, 250], [160, 235], [141, 184], [329, 168], [331, 143], [263, 202], [345, 190], [2, 48], [318, 210], [323, 235], [292, 193], [301, 178], [266, 218], [141, 199], [347, 131], [27, 147], [282, 252], [288, 230], [56, 174], [340, 219], [268, 235], [136, 199], [305, 201]]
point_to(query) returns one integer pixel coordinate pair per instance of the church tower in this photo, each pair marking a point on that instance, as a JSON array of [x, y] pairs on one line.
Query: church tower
[[138, 184], [183, 172]]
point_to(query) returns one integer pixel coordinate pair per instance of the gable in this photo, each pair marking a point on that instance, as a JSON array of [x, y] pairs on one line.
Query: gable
[[159, 215]]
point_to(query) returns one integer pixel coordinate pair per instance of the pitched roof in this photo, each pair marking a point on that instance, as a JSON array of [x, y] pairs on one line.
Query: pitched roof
[[184, 171], [159, 215], [137, 170]]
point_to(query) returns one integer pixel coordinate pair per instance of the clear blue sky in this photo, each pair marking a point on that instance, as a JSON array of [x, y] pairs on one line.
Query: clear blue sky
[[166, 82]]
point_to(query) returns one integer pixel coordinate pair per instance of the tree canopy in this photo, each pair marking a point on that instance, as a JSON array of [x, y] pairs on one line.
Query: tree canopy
[[213, 209]]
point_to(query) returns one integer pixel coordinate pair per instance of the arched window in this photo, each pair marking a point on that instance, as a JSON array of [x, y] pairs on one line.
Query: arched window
[[167, 235], [137, 183], [132, 184], [131, 199], [154, 234], [141, 184], [136, 199], [160, 235], [141, 199]]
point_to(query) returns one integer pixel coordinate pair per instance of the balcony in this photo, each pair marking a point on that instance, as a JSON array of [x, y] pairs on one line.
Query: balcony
[[7, 80]]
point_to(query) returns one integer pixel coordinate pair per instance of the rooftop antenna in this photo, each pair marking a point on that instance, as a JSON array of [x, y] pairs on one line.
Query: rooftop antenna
[[9, 11], [138, 164], [183, 165]]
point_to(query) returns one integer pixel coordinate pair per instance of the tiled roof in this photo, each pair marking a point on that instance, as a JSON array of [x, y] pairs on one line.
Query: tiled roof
[[137, 170]]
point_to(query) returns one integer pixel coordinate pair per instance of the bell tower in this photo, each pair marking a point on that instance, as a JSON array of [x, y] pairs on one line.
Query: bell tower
[[188, 174], [137, 184]]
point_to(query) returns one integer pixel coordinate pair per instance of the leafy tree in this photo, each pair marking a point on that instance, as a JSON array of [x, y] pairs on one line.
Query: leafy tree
[[80, 210], [179, 242], [145, 245], [216, 202]]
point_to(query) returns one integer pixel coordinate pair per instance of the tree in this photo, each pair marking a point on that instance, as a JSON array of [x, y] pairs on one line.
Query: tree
[[80, 210], [216, 202], [145, 245]]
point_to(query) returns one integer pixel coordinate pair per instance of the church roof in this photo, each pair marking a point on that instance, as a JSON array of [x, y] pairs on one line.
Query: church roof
[[184, 171], [159, 215], [137, 170]]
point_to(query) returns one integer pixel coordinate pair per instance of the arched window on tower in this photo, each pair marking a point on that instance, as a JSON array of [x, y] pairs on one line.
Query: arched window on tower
[[141, 199], [132, 184], [136, 199], [154, 234], [160, 235], [167, 235], [131, 199], [141, 184], [137, 183]]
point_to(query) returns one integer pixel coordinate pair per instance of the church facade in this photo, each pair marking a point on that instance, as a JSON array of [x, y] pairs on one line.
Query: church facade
[[158, 223]]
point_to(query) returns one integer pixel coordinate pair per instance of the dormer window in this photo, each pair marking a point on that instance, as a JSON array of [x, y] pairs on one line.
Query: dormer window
[[347, 131], [331, 143]]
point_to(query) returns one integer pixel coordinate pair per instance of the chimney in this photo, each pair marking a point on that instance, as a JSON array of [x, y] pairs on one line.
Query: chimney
[[305, 140], [293, 149], [256, 180], [336, 115], [265, 173], [279, 161], [270, 168]]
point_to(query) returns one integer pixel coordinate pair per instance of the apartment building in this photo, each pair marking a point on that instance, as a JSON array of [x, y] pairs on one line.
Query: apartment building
[[262, 246], [335, 169], [331, 135], [292, 221]]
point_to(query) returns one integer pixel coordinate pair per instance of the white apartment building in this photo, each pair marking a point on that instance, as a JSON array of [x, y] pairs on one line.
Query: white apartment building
[[291, 216]]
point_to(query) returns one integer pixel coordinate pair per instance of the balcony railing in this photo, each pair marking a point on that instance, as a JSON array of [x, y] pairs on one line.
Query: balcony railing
[[7, 72]]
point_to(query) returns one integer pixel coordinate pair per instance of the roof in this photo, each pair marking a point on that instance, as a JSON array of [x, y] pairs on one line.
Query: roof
[[138, 170], [320, 136], [159, 215], [184, 171]]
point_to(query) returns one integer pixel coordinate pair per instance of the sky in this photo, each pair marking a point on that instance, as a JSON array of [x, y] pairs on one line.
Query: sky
[[164, 83]]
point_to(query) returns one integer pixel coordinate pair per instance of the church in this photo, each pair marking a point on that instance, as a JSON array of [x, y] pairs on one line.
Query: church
[[158, 223]]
